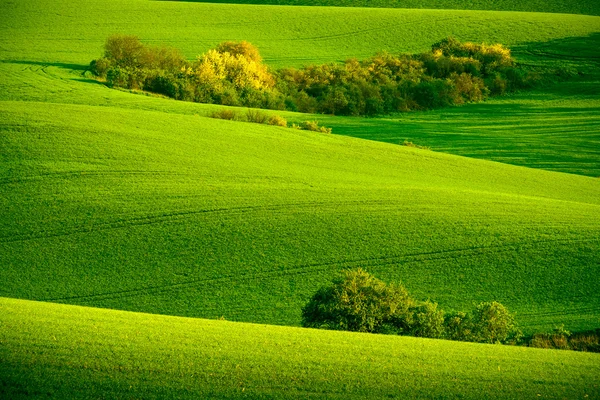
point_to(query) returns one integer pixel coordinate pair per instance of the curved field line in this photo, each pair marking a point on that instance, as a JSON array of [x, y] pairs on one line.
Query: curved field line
[[299, 269], [175, 215]]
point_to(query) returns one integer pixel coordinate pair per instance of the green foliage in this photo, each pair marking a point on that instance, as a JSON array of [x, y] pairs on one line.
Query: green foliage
[[428, 321], [358, 302], [232, 74], [314, 126], [257, 116], [458, 326], [491, 322], [225, 114]]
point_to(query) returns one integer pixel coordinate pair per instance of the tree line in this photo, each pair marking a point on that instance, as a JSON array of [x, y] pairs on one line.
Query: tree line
[[233, 74]]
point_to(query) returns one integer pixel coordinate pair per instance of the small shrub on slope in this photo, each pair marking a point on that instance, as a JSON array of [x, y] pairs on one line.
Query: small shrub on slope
[[224, 114], [277, 121], [491, 322], [358, 302]]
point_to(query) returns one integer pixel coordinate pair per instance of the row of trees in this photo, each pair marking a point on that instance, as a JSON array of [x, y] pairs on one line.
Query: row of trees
[[233, 74], [359, 302]]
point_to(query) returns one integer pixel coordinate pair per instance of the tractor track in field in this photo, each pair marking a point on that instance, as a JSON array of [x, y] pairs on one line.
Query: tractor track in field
[[296, 270], [180, 215], [592, 309]]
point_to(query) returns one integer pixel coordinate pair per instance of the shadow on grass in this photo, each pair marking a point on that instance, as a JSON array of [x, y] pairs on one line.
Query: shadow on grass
[[82, 69], [75, 67]]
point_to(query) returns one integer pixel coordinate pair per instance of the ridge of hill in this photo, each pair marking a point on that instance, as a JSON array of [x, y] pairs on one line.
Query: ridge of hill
[[546, 6], [188, 215]]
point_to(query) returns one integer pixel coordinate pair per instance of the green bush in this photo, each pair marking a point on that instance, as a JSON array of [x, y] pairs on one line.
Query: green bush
[[359, 302], [491, 322], [257, 116], [224, 114], [314, 126], [277, 121], [458, 326], [232, 74], [428, 321]]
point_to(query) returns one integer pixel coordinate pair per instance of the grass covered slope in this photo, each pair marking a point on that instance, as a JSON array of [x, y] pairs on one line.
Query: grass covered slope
[[549, 6], [192, 216], [48, 45], [59, 32], [60, 351]]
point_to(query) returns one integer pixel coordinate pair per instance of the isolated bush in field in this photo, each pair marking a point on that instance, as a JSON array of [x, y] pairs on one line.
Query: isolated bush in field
[[314, 126], [358, 302], [277, 121], [491, 322], [428, 321], [224, 114], [257, 116]]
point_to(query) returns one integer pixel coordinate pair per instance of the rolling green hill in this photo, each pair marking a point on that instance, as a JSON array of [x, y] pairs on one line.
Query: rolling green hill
[[57, 351], [46, 47], [119, 200], [134, 202], [192, 216], [59, 32], [549, 6]]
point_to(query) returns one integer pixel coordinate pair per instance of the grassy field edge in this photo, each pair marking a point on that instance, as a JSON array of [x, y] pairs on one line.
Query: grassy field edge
[[51, 350]]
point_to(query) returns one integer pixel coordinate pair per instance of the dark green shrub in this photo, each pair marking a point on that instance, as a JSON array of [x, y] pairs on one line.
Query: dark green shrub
[[458, 326], [224, 114], [257, 116], [491, 322], [428, 321], [359, 302], [125, 51], [100, 67]]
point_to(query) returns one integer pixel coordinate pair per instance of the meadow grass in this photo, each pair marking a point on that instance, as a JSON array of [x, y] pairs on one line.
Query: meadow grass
[[547, 6], [136, 202], [60, 32], [45, 55], [194, 216], [58, 351]]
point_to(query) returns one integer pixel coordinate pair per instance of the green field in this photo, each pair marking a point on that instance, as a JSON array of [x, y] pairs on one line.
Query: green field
[[549, 6], [128, 209], [119, 200], [57, 351]]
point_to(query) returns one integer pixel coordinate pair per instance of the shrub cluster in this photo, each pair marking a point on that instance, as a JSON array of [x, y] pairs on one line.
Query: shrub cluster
[[259, 117], [359, 302], [562, 339], [233, 74]]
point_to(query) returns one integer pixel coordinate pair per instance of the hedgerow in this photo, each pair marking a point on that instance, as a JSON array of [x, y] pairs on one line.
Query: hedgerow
[[357, 301], [233, 74]]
